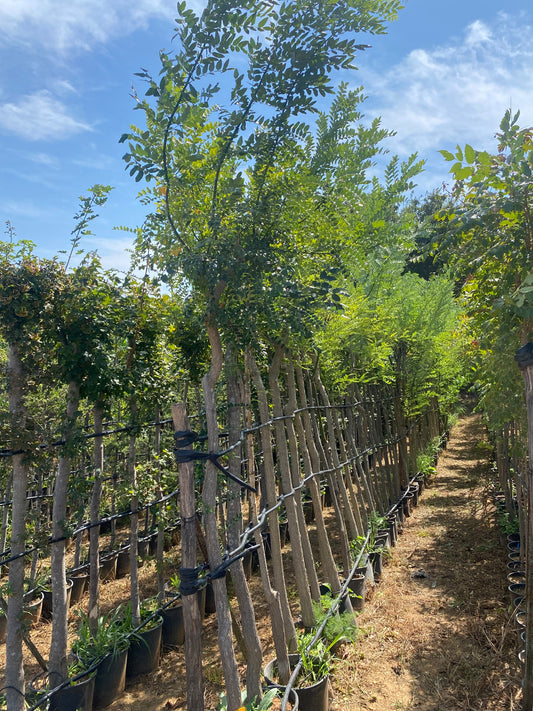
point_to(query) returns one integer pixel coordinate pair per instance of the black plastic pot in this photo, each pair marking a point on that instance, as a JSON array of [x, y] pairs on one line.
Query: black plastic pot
[[123, 563], [173, 632], [376, 559], [152, 544], [283, 530], [47, 610], [312, 698], [108, 567], [399, 513], [309, 512], [145, 651], [357, 587], [520, 619], [383, 539], [110, 680], [517, 589], [516, 566], [33, 605], [143, 547], [79, 581], [415, 490], [420, 480], [393, 529], [74, 697], [516, 576], [210, 607], [408, 503]]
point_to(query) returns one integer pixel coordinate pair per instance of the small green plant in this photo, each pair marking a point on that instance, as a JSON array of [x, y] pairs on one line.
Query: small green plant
[[338, 626], [316, 660], [507, 523], [111, 637], [263, 705], [148, 608], [357, 546], [377, 522], [40, 583]]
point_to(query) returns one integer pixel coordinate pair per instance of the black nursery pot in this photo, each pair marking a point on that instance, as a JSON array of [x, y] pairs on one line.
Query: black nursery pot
[[357, 587], [47, 611], [377, 564], [123, 563], [74, 697], [393, 529], [144, 652], [312, 698], [108, 567], [173, 632], [414, 489], [33, 607], [110, 679], [79, 581]]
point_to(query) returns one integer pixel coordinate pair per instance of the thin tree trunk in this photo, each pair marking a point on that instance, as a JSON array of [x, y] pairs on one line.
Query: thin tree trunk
[[160, 511], [303, 423], [94, 533], [302, 583], [272, 596], [344, 517], [191, 613], [401, 432], [209, 497], [58, 647], [296, 478], [17, 411], [271, 498], [249, 629], [5, 511], [525, 362], [134, 519]]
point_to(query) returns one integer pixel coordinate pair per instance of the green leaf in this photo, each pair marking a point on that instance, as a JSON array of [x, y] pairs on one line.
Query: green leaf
[[459, 153], [447, 155], [470, 154]]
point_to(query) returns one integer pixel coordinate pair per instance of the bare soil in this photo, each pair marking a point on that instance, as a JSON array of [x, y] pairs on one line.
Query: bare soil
[[436, 633]]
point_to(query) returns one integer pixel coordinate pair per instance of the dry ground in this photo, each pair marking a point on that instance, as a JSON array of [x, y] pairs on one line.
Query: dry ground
[[443, 642]]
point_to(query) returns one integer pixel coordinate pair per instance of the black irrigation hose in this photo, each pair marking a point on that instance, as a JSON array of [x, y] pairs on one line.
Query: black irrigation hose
[[249, 530], [4, 453]]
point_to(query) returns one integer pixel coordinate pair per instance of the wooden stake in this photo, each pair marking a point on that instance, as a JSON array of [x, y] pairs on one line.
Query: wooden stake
[[191, 612], [524, 357]]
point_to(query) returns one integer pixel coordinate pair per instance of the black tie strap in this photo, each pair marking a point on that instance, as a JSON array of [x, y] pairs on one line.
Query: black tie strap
[[183, 438]]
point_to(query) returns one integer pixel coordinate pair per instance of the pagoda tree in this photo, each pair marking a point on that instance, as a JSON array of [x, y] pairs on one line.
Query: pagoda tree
[[211, 148], [86, 313], [27, 287], [489, 240]]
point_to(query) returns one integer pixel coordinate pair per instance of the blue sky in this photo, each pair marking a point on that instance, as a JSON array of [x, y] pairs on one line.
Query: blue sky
[[444, 74]]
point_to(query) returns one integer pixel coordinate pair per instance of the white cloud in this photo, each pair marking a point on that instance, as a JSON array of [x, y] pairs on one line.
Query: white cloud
[[22, 208], [477, 33], [39, 116], [456, 93], [43, 159], [63, 25]]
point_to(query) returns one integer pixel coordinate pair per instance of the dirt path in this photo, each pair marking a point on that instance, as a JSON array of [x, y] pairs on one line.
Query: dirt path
[[445, 641]]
